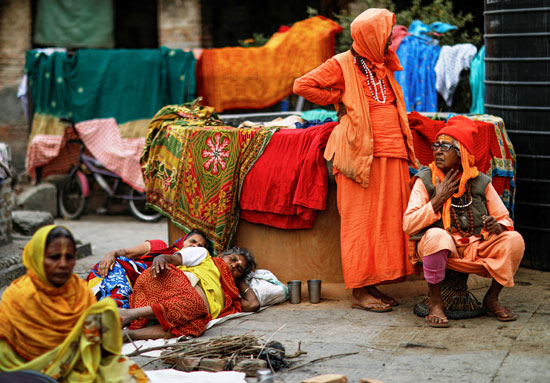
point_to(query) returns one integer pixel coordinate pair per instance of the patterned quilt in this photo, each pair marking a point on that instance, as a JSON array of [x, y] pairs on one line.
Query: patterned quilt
[[194, 166]]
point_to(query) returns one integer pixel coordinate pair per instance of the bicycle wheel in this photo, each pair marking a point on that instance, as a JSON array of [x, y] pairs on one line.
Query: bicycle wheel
[[72, 201], [139, 208]]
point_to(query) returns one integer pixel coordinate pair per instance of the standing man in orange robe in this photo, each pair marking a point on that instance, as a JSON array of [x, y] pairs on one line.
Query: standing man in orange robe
[[371, 149]]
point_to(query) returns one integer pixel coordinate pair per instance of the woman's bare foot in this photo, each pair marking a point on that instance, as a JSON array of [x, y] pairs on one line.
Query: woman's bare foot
[[380, 295]]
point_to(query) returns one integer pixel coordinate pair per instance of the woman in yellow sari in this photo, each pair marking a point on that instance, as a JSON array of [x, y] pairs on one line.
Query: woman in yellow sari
[[50, 321]]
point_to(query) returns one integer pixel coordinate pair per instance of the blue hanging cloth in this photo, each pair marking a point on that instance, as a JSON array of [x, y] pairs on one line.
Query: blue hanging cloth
[[477, 78], [418, 56]]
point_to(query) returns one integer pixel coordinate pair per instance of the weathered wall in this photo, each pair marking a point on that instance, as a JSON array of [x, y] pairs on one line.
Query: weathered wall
[[180, 23], [15, 39]]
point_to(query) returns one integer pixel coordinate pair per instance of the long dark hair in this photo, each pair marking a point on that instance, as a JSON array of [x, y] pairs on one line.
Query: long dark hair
[[60, 231], [250, 261]]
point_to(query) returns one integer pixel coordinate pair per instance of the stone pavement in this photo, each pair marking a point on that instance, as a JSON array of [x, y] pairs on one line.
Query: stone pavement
[[391, 347]]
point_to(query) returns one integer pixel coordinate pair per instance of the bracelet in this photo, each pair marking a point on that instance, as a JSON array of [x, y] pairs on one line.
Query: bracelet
[[245, 291]]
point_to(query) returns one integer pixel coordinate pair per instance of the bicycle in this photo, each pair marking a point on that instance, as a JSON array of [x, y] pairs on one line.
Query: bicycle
[[75, 188]]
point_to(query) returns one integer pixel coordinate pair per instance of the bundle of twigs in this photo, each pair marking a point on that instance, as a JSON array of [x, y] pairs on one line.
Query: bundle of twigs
[[246, 346], [232, 349]]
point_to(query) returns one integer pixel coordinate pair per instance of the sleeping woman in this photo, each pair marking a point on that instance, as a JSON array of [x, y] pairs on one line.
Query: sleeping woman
[[115, 275]]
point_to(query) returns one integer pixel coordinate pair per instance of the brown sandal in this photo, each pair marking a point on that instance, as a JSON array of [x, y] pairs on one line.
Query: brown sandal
[[502, 314], [375, 307]]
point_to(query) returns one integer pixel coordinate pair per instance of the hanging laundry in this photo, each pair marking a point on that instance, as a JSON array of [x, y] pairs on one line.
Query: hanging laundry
[[452, 60], [419, 29], [399, 32], [258, 77], [418, 57], [477, 78], [99, 85]]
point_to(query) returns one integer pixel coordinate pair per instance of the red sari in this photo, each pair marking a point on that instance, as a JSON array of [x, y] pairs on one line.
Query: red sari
[[175, 302]]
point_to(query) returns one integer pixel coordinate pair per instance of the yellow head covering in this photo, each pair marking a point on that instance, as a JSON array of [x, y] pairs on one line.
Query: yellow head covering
[[36, 316], [33, 253]]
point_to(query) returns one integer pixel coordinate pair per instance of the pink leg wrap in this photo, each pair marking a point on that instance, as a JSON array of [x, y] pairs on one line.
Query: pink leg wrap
[[434, 266]]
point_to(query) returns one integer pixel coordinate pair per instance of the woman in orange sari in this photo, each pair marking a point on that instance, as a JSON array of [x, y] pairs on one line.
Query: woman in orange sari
[[371, 149]]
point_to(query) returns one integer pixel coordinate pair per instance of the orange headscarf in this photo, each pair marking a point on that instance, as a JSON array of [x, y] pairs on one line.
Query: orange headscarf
[[469, 171], [35, 316], [370, 32]]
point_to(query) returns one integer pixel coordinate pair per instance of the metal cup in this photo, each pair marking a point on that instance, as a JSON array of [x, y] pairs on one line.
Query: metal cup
[[314, 289], [295, 291]]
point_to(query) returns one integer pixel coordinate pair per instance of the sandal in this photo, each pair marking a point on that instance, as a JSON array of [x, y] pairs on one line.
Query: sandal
[[502, 314], [444, 320], [375, 307]]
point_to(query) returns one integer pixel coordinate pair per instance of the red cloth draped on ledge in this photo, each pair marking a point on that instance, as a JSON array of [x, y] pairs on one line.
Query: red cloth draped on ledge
[[288, 183], [175, 302]]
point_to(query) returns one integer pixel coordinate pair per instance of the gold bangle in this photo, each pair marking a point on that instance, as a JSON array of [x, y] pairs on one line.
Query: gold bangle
[[244, 292]]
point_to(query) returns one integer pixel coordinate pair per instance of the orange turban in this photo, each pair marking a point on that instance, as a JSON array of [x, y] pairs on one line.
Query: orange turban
[[462, 130]]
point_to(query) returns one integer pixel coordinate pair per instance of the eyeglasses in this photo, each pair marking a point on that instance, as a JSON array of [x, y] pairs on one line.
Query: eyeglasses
[[445, 147]]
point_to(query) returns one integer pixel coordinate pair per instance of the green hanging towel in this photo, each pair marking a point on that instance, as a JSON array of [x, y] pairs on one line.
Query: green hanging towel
[[75, 23]]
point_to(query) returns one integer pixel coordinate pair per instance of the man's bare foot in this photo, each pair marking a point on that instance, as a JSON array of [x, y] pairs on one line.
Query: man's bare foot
[[437, 317], [493, 308], [380, 295]]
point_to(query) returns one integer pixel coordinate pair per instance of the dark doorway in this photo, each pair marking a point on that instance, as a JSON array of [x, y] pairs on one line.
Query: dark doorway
[[136, 24], [225, 22]]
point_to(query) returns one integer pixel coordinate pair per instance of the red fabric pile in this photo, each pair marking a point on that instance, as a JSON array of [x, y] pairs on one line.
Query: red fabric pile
[[288, 183]]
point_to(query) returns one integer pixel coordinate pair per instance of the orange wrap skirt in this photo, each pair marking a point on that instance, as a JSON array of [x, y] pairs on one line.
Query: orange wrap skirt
[[373, 245]]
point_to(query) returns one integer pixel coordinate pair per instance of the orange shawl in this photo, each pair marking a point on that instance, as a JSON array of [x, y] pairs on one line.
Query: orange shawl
[[351, 145], [469, 171], [35, 316]]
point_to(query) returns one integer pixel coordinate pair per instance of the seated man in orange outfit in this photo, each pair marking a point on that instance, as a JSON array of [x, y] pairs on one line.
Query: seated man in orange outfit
[[460, 222]]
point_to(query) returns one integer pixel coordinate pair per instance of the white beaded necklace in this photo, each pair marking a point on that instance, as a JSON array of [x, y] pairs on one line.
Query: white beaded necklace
[[371, 78]]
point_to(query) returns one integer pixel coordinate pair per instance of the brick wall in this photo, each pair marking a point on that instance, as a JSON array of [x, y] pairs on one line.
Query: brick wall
[[15, 39], [179, 23]]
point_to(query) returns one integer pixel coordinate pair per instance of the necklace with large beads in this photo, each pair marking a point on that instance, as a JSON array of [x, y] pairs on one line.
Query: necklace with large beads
[[371, 79], [462, 214]]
